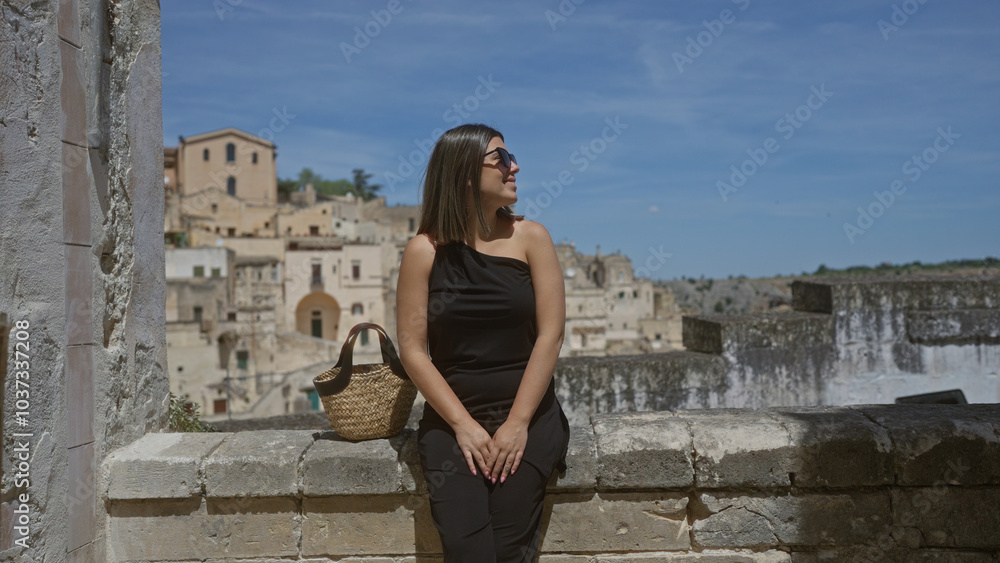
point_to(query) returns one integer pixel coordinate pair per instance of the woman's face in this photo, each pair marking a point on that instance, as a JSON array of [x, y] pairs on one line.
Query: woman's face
[[497, 185]]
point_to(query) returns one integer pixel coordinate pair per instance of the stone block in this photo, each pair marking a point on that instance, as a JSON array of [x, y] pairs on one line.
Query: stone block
[[76, 196], [934, 444], [337, 527], [73, 118], [928, 293], [740, 448], [79, 295], [642, 450], [159, 466], [80, 515], [581, 461], [804, 520], [257, 464], [69, 21], [80, 387], [198, 529], [616, 522], [337, 467], [715, 334], [705, 556], [836, 447], [969, 326], [889, 554], [950, 517], [411, 475]]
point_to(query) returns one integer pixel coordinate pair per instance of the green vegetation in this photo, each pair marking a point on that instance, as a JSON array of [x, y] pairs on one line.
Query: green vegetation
[[887, 268], [359, 186], [184, 416]]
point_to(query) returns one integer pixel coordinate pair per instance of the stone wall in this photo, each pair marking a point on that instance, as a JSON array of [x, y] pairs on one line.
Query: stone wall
[[81, 281], [879, 483], [847, 341]]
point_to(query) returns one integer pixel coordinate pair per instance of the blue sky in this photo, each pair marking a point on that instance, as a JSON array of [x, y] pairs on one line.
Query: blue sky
[[735, 136]]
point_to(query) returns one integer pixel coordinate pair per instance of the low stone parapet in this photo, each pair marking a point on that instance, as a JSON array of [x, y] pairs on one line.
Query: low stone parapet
[[862, 483]]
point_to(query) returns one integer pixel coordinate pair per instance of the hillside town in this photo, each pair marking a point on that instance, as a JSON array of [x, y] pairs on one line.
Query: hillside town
[[262, 289]]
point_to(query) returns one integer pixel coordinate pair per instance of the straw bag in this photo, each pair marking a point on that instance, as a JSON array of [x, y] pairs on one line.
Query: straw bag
[[367, 401]]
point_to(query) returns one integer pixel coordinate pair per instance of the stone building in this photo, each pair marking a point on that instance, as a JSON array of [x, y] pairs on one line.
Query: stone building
[[608, 310]]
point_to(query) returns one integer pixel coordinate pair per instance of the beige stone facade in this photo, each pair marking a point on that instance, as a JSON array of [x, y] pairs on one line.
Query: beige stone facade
[[329, 289], [609, 311], [229, 160]]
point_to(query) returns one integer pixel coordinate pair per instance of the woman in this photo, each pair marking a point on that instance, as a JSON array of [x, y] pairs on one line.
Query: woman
[[480, 317]]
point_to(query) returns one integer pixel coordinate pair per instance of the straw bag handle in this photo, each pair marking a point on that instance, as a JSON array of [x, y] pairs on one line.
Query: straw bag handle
[[346, 361]]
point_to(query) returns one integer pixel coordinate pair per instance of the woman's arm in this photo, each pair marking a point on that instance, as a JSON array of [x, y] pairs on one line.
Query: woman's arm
[[550, 318], [411, 332]]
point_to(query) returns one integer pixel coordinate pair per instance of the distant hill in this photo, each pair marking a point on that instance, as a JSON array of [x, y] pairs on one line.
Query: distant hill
[[743, 295]]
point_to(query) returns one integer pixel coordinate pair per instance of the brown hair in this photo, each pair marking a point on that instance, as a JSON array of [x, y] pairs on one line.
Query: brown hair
[[456, 162]]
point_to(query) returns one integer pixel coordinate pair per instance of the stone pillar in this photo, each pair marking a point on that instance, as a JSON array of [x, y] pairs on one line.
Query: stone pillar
[[81, 280]]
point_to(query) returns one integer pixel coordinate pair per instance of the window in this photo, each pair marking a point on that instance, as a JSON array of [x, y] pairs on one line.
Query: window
[[231, 316], [219, 406], [313, 230], [231, 186], [204, 155], [230, 152], [357, 309], [267, 224], [216, 272], [356, 269], [317, 276], [215, 208], [231, 231], [364, 338], [317, 324], [253, 158], [274, 273], [197, 314], [659, 336], [241, 359], [635, 293], [621, 276], [199, 271], [411, 224]]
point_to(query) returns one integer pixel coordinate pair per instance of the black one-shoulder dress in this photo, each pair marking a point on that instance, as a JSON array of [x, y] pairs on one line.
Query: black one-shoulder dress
[[481, 329]]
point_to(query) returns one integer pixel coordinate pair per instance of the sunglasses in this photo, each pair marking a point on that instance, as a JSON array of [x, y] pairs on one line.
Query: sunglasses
[[505, 157]]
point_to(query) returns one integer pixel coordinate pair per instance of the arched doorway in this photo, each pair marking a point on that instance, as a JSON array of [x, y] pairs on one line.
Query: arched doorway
[[318, 315]]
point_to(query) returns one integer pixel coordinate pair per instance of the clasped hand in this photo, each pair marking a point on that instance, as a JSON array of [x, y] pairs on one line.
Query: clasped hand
[[497, 457]]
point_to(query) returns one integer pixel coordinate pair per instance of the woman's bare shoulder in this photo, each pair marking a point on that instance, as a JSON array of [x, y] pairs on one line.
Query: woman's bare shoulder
[[533, 238], [531, 232], [420, 250]]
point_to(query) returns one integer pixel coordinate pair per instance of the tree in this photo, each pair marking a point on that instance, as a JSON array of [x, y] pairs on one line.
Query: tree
[[320, 184], [362, 188]]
